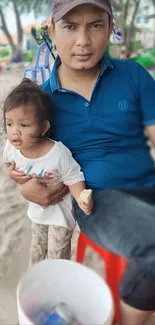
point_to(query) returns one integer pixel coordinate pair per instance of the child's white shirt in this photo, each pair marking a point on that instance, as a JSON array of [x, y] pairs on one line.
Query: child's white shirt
[[57, 162]]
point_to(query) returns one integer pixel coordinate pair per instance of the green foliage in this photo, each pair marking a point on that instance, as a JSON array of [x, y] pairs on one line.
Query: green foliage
[[4, 53], [28, 57], [135, 45], [152, 52], [147, 60]]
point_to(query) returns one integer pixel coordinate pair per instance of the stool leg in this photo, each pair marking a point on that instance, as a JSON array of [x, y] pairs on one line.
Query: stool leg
[[34, 75], [120, 268], [43, 74], [113, 279], [81, 248]]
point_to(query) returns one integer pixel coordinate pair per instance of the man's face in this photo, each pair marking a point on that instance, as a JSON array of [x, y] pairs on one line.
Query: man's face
[[82, 36]]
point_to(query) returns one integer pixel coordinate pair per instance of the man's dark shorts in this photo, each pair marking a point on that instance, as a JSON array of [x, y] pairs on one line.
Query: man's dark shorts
[[123, 222]]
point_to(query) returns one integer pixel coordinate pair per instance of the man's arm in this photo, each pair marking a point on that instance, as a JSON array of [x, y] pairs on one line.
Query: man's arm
[[35, 191], [145, 85], [151, 134]]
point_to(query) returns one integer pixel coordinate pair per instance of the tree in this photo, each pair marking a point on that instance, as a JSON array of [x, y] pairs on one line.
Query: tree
[[5, 30], [153, 2], [131, 29], [19, 7]]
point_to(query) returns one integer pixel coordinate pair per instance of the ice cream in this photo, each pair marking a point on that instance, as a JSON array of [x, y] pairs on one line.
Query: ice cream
[[86, 196]]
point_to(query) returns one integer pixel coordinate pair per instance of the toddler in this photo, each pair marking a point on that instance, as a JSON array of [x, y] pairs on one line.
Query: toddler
[[26, 120]]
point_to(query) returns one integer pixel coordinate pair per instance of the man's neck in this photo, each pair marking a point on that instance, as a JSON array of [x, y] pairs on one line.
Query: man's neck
[[79, 75], [77, 80]]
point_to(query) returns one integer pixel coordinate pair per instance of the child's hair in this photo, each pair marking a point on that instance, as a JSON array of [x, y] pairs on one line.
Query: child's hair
[[29, 93]]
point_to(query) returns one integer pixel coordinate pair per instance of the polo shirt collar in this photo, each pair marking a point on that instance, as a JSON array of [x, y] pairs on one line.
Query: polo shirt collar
[[54, 82], [105, 63]]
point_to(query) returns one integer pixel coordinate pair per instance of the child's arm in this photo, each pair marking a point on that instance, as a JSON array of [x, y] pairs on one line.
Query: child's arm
[[18, 177], [9, 163], [76, 190], [73, 177]]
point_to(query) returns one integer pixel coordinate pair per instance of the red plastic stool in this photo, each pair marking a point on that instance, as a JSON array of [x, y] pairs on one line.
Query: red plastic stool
[[114, 268]]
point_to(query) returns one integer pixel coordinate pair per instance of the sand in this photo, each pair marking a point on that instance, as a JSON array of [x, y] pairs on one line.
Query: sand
[[15, 231]]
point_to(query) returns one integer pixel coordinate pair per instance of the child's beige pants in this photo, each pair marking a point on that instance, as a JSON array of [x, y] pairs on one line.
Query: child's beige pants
[[51, 242]]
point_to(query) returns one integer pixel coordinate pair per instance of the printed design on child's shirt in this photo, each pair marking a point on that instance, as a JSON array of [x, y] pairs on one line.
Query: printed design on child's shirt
[[41, 174]]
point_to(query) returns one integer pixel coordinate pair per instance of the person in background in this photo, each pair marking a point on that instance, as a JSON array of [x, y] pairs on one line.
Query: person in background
[[101, 108], [17, 57]]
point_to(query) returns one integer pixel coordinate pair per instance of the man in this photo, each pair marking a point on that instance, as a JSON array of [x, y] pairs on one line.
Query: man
[[102, 107]]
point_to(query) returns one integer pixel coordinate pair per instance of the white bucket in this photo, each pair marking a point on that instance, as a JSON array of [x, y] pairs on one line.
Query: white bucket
[[56, 281]]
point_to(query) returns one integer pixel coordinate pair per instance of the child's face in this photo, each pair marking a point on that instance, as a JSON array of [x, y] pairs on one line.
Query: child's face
[[22, 127]]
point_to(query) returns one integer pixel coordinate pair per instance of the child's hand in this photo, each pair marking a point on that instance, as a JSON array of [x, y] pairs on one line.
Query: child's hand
[[86, 208], [18, 177]]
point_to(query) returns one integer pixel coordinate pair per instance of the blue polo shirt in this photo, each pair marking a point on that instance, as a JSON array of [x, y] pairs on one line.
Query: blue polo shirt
[[106, 134]]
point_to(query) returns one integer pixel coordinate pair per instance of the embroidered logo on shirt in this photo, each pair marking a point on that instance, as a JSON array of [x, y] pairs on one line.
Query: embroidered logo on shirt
[[123, 105]]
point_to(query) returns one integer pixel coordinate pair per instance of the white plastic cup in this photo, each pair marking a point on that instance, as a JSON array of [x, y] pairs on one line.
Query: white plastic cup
[[56, 281]]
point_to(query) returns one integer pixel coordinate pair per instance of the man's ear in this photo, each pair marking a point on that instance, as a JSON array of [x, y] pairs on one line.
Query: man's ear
[[52, 33], [46, 127], [111, 27]]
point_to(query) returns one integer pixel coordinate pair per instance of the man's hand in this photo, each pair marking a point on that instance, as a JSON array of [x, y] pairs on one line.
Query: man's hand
[[35, 190], [86, 208], [18, 177]]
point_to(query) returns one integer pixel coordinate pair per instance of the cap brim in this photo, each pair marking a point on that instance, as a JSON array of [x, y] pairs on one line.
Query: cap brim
[[66, 8]]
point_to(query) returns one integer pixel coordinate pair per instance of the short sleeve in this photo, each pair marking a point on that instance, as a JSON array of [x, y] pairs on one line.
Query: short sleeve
[[146, 87], [7, 152], [69, 169]]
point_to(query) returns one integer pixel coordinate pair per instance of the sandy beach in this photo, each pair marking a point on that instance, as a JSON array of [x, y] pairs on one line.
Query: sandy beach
[[15, 231]]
